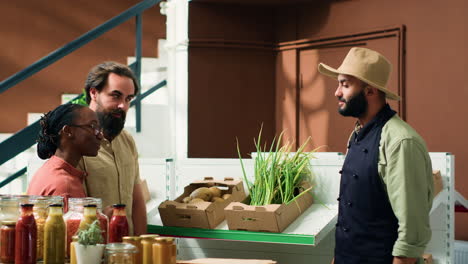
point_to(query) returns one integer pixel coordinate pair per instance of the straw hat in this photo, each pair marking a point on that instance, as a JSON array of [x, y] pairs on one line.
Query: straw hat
[[367, 65]]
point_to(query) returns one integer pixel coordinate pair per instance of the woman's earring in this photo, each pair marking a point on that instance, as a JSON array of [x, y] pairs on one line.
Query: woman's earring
[[69, 134]]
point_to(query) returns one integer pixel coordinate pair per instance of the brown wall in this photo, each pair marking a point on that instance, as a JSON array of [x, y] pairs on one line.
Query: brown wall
[[436, 55], [231, 78], [32, 29], [436, 63]]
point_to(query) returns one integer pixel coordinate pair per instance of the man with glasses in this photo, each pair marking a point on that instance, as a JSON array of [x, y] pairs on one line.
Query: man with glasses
[[114, 174]]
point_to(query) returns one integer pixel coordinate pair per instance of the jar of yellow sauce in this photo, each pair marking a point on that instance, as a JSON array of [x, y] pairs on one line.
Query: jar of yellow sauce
[[72, 250], [164, 251], [120, 253], [147, 248], [136, 241]]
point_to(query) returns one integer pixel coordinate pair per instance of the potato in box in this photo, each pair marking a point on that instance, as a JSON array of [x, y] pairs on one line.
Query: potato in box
[[201, 205]]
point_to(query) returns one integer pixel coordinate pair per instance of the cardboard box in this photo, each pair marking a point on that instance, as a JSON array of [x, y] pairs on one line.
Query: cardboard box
[[438, 183], [226, 261], [203, 214], [267, 218]]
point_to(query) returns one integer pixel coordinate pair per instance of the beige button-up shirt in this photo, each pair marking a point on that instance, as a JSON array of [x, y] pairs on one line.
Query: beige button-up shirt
[[113, 173]]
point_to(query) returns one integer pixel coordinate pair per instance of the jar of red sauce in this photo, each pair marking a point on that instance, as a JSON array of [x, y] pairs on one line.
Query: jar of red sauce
[[26, 236], [7, 242], [118, 226]]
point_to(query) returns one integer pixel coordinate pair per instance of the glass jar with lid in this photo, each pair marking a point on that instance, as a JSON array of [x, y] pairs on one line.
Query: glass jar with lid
[[120, 253], [7, 242], [164, 251], [72, 250], [9, 208], [136, 241], [147, 247]]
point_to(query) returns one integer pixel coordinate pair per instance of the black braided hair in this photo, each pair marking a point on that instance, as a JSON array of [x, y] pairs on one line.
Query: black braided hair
[[51, 123]]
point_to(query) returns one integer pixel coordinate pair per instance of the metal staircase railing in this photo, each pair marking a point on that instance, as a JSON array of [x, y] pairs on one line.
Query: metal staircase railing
[[26, 137], [56, 55]]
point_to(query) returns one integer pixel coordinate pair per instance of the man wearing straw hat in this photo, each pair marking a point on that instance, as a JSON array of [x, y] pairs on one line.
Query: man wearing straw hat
[[386, 186]]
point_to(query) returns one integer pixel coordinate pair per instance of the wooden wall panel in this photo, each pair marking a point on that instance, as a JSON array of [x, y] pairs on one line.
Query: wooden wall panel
[[231, 94], [286, 94], [435, 64], [231, 22], [231, 78]]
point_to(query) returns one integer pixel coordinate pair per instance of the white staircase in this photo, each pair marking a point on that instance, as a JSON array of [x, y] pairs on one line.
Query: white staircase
[[153, 140], [10, 167]]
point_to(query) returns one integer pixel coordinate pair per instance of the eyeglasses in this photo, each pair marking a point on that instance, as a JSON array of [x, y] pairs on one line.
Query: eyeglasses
[[95, 127]]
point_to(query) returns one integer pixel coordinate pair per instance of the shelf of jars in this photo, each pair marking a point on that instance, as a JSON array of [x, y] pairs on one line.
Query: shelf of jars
[[34, 229]]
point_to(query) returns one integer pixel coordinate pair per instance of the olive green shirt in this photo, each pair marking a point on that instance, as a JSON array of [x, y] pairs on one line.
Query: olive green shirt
[[113, 173], [406, 171]]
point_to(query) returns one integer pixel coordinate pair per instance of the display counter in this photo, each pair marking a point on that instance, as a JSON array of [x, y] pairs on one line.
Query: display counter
[[310, 237]]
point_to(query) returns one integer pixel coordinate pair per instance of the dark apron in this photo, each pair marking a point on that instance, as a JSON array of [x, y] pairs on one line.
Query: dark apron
[[367, 227]]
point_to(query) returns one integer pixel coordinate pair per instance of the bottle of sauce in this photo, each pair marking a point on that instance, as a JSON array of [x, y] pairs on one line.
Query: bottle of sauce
[[89, 216], [26, 236], [7, 242], [118, 226], [40, 216], [54, 236]]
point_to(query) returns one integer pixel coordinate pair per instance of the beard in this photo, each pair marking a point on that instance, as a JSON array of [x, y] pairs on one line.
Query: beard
[[356, 106], [111, 125]]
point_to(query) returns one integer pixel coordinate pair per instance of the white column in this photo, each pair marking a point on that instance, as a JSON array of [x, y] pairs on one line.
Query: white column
[[177, 81]]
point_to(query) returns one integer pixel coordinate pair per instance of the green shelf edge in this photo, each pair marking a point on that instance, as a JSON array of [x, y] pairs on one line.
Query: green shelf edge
[[232, 235]]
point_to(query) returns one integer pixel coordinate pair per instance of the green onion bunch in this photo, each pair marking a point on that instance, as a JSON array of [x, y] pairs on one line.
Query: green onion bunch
[[279, 173]]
